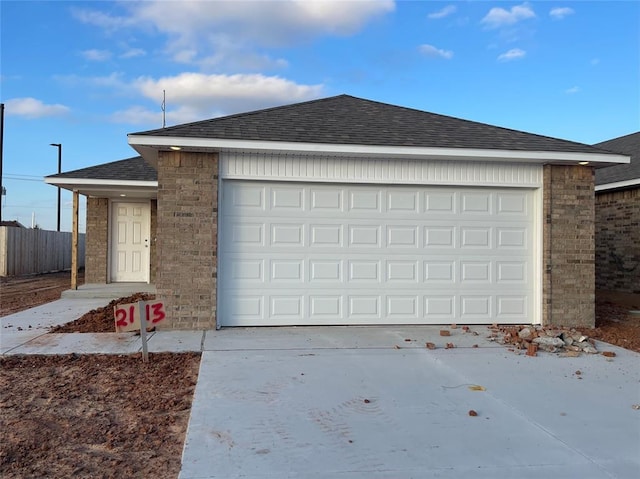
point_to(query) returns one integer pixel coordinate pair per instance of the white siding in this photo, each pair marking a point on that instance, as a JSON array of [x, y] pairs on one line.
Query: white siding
[[282, 167]]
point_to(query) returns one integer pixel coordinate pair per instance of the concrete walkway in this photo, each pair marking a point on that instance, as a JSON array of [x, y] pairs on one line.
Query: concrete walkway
[[373, 402]]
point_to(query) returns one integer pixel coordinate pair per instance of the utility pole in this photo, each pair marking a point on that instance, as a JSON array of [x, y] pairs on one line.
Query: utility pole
[[59, 146], [3, 191]]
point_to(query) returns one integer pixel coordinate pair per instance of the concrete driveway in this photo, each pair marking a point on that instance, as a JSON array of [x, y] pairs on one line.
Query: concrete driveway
[[373, 402]]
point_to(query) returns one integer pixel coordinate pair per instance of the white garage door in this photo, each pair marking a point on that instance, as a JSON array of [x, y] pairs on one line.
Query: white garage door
[[312, 254]]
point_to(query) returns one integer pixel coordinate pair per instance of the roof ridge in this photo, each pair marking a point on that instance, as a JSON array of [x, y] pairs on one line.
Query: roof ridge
[[244, 114]]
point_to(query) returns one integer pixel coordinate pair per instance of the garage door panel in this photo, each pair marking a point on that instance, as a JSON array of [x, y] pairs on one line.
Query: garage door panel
[[324, 200], [440, 308], [247, 270], [512, 238], [325, 271], [326, 307], [440, 270], [326, 235], [367, 271], [440, 202], [287, 307], [287, 270], [513, 204], [351, 254], [365, 200], [476, 203], [402, 271], [405, 202]]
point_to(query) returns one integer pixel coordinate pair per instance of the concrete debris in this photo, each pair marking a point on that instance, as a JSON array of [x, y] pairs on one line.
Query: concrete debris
[[533, 339]]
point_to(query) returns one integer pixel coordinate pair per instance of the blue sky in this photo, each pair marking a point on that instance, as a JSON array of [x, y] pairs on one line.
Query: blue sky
[[84, 74]]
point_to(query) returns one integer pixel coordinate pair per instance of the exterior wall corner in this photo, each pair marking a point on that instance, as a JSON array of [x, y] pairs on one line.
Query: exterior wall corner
[[568, 296], [186, 238]]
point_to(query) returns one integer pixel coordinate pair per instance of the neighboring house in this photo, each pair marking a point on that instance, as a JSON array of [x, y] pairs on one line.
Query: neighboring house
[[345, 211], [12, 223], [618, 218]]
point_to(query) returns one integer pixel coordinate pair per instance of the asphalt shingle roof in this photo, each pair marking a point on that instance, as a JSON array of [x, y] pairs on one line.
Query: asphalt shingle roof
[[349, 120], [626, 145], [131, 169]]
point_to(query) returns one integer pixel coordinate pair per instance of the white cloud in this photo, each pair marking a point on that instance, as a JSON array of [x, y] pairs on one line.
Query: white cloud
[[499, 17], [196, 96], [431, 51], [133, 53], [114, 81], [96, 55], [560, 12], [513, 54], [138, 115], [444, 12], [572, 90], [105, 21], [212, 33], [32, 108]]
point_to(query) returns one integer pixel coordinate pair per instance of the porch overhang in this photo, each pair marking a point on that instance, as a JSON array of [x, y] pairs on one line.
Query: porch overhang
[[107, 188]]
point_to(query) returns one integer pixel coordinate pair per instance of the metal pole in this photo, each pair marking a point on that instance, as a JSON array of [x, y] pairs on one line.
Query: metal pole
[[59, 146], [1, 154]]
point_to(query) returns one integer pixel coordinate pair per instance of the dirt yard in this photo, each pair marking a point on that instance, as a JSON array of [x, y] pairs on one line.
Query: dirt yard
[[94, 416], [97, 416], [24, 292], [90, 416]]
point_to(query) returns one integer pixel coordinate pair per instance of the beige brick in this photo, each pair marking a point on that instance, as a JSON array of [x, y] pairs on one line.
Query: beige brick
[[569, 255]]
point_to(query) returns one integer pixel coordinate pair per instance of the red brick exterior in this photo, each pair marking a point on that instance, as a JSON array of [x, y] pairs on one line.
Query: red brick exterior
[[618, 241], [186, 233], [569, 257]]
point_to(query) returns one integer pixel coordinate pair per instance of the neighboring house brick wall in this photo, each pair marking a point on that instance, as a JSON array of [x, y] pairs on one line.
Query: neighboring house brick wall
[[97, 240], [618, 241], [187, 216], [569, 255]]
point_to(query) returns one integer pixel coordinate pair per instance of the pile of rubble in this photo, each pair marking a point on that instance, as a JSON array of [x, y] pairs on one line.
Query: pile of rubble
[[532, 339]]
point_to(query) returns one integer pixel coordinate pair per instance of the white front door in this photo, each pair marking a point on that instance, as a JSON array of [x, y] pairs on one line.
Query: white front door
[[130, 242]]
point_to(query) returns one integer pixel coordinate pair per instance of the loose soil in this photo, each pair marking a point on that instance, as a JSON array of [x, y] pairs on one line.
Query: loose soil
[[94, 416], [18, 293], [99, 416], [90, 416], [100, 320]]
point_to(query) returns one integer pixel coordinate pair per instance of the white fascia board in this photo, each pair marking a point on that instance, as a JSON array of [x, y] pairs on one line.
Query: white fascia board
[[618, 184], [93, 182], [373, 151]]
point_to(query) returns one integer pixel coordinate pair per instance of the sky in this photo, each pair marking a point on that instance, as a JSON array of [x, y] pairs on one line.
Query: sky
[[85, 74]]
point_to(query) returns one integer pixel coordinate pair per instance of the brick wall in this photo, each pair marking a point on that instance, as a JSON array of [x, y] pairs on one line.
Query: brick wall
[[569, 254], [618, 241], [186, 246], [153, 254], [97, 240]]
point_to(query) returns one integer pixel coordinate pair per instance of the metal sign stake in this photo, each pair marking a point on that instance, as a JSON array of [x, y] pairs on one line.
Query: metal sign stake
[[143, 330]]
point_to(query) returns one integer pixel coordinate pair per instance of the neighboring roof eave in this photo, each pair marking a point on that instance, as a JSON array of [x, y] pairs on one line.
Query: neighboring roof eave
[[148, 146], [618, 185]]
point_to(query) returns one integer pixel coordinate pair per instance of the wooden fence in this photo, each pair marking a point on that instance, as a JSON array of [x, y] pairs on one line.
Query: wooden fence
[[29, 251]]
